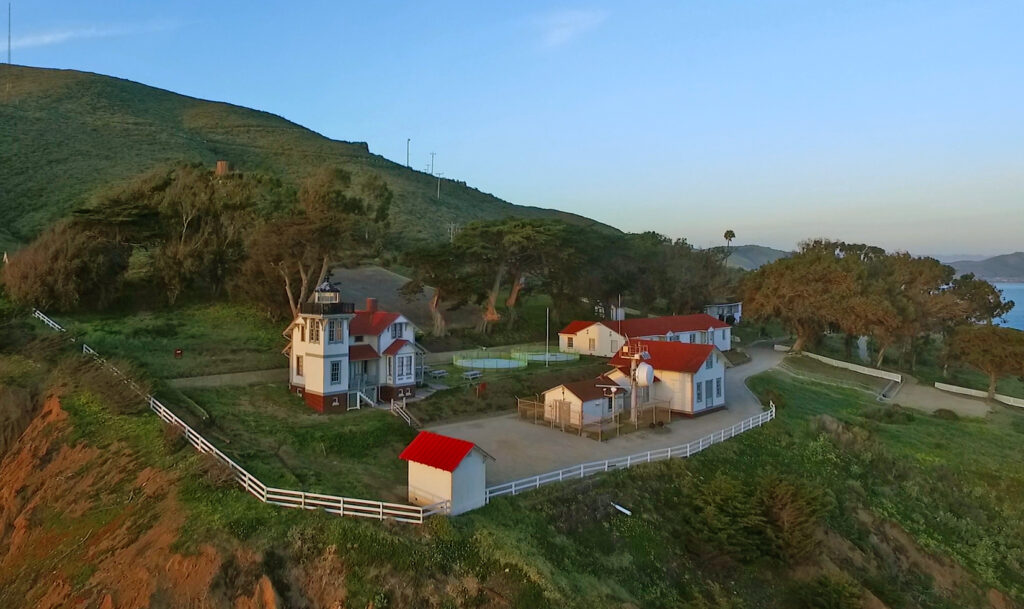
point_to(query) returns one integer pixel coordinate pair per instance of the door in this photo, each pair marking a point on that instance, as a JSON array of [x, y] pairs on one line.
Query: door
[[709, 397]]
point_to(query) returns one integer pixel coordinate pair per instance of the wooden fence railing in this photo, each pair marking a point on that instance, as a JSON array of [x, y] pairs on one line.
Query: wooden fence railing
[[588, 469], [342, 506]]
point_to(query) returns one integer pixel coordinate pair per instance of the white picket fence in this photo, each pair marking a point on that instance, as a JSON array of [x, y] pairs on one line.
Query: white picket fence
[[342, 506], [588, 469]]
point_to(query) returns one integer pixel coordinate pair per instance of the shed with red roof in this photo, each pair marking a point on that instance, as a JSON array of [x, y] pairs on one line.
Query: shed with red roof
[[442, 468]]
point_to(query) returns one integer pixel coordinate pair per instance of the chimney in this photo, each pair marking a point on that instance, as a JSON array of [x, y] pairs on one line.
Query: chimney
[[371, 305], [223, 167]]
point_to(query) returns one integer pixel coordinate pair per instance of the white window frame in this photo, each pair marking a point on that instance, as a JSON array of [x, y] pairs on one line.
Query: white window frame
[[298, 366], [592, 343], [718, 387], [335, 372], [699, 395], [314, 332], [710, 362], [568, 342]]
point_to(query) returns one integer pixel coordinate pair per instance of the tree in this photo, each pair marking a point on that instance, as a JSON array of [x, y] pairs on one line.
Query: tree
[[729, 236], [807, 292], [994, 350], [66, 269], [442, 268], [296, 251], [982, 302]]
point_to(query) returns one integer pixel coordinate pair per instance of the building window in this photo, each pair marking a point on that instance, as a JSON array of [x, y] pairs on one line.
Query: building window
[[391, 367], [718, 388], [700, 391], [358, 339], [615, 346], [314, 332], [397, 330], [298, 365], [568, 342], [302, 332], [693, 337], [710, 363], [335, 373], [593, 344], [611, 402], [335, 331]]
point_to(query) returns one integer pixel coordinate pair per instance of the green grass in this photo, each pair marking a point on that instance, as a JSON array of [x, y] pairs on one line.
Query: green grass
[[711, 531], [65, 135], [274, 435], [215, 339], [814, 369], [927, 368], [503, 387]]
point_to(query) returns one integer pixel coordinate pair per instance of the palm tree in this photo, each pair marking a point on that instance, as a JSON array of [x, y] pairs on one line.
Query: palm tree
[[729, 236]]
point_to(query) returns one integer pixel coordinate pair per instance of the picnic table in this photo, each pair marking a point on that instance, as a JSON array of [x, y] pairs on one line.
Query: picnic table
[[438, 373], [472, 375]]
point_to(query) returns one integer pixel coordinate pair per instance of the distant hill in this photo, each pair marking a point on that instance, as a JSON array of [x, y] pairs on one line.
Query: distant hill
[[66, 134], [750, 257], [1008, 267]]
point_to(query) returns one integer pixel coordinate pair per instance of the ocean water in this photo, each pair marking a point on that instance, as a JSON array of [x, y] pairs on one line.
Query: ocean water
[[1014, 292]]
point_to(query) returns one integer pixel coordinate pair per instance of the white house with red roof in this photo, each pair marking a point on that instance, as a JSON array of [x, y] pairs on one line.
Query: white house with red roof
[[442, 468], [689, 376], [341, 358], [605, 338]]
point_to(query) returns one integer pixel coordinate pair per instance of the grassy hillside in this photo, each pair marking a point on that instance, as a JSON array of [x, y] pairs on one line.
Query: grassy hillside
[[1008, 267], [65, 134]]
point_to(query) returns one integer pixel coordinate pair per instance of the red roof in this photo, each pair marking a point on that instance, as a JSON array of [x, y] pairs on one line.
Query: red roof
[[396, 346], [372, 323], [358, 353], [438, 451], [576, 326], [666, 355]]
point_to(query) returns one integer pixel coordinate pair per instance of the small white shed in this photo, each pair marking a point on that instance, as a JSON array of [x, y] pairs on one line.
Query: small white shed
[[442, 468]]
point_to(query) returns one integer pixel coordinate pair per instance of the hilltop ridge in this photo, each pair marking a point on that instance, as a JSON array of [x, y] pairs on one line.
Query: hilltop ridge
[[65, 135]]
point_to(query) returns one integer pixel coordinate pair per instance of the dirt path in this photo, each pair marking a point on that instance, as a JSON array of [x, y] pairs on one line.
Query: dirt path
[[253, 377], [930, 399]]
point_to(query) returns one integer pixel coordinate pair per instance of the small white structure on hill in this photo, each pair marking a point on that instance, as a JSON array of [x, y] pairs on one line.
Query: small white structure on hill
[[605, 338], [442, 468], [723, 311]]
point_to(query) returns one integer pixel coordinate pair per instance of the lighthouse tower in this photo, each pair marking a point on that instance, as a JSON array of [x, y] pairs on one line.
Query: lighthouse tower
[[319, 351]]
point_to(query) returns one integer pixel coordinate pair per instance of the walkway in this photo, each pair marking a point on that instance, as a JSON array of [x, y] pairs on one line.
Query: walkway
[[523, 449], [930, 399], [252, 377]]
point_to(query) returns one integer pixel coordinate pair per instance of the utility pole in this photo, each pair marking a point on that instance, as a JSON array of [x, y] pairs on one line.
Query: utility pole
[[453, 229], [408, 141], [439, 186], [432, 162], [8, 33]]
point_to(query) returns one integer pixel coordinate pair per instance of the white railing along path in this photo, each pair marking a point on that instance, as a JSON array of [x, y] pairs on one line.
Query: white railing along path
[[587, 469], [342, 506]]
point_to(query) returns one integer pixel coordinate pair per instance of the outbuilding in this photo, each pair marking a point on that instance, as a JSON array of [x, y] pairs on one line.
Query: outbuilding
[[442, 468]]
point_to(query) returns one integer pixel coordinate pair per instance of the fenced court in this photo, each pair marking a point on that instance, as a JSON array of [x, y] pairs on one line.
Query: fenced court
[[487, 360], [564, 418], [539, 356]]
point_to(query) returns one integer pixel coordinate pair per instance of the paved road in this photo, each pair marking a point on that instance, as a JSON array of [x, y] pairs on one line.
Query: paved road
[[523, 449]]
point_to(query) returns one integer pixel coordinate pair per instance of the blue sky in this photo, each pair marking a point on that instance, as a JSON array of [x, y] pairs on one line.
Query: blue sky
[[896, 123]]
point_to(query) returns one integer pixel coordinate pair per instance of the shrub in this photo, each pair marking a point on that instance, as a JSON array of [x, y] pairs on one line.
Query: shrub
[[893, 414], [123, 393], [174, 438], [215, 472], [67, 268], [827, 592], [946, 415], [794, 513]]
